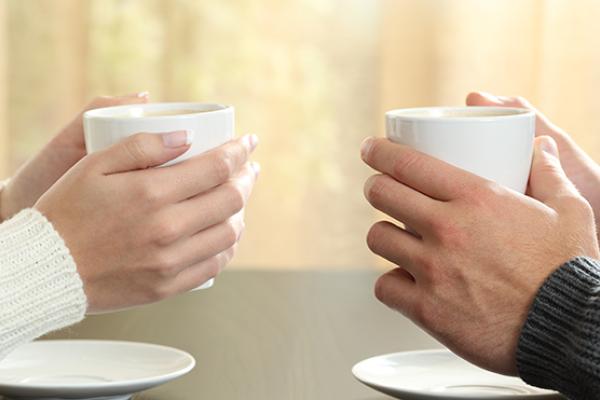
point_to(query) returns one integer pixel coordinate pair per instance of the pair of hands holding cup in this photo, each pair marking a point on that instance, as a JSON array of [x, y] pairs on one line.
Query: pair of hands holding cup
[[476, 253], [468, 276], [136, 233]]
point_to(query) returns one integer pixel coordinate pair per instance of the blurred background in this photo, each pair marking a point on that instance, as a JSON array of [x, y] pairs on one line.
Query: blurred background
[[311, 77]]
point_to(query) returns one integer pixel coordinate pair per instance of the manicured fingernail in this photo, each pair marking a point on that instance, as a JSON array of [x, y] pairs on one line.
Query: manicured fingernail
[[250, 141], [178, 138], [189, 136], [548, 145], [253, 141], [255, 167], [365, 147]]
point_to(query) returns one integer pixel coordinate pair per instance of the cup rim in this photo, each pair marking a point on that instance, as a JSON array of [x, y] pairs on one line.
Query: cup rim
[[203, 109], [408, 114]]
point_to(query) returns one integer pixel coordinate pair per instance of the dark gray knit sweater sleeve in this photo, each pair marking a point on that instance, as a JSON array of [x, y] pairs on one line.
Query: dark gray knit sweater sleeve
[[559, 346]]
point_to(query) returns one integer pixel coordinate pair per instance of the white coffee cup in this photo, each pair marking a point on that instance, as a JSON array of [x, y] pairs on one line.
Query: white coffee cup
[[493, 142], [211, 124]]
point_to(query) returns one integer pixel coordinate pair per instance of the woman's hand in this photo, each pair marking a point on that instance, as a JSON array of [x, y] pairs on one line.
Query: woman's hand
[[579, 167], [480, 253], [140, 234], [60, 154]]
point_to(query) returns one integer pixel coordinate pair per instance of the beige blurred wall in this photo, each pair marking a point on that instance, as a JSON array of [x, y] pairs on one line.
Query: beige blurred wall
[[436, 51], [311, 77], [4, 140]]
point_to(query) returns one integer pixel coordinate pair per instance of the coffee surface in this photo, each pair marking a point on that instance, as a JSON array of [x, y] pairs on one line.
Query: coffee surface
[[160, 113], [465, 113]]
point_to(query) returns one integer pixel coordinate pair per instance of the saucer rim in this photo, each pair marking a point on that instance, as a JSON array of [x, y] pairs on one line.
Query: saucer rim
[[113, 387]]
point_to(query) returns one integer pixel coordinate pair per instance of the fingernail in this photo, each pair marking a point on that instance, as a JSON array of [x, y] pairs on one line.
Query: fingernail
[[253, 141], [178, 138], [548, 145], [255, 167], [365, 147], [367, 187]]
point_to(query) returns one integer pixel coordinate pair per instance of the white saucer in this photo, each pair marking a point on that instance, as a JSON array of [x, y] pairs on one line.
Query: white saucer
[[439, 374], [86, 369]]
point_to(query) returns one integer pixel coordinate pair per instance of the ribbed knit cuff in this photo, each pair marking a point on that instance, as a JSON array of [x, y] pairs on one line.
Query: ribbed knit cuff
[[558, 347], [40, 289]]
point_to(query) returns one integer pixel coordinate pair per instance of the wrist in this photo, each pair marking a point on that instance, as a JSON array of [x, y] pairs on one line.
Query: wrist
[[41, 288], [560, 326]]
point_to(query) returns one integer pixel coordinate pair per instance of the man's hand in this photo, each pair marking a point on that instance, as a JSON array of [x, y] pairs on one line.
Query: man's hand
[[579, 167], [56, 158], [479, 253]]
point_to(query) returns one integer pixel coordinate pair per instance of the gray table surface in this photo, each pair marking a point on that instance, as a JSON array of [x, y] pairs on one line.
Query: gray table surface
[[267, 335]]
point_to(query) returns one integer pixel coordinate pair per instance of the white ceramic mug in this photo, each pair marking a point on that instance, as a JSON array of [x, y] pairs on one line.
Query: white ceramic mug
[[493, 142], [212, 125]]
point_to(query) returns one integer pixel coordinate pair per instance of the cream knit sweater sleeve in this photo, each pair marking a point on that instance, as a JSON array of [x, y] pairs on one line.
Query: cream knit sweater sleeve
[[40, 289]]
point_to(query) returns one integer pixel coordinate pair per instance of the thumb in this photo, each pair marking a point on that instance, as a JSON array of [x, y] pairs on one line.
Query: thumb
[[143, 150], [71, 134], [547, 180], [111, 101]]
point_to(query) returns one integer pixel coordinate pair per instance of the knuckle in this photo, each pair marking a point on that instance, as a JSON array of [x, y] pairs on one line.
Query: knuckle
[[587, 210], [136, 148], [427, 266], [149, 192], [484, 193], [579, 205], [448, 233], [213, 268], [232, 232], [223, 166], [166, 232], [402, 166], [236, 198], [549, 167], [384, 292], [159, 292], [164, 265], [479, 194]]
